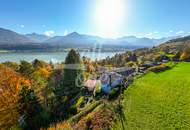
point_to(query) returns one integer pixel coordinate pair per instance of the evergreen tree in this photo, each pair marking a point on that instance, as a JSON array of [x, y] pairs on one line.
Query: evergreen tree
[[70, 86], [26, 68], [73, 74], [29, 109], [38, 64]]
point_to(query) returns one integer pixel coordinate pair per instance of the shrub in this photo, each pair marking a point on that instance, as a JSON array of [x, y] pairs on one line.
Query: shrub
[[44, 118], [72, 110], [159, 68], [60, 126], [184, 56], [99, 120], [177, 56], [97, 89], [102, 120], [114, 93], [79, 102], [161, 57]]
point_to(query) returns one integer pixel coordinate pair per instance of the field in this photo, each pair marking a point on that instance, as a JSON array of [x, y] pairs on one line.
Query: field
[[158, 101]]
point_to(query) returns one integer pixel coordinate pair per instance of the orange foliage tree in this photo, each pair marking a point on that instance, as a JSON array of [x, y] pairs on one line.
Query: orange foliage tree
[[10, 85]]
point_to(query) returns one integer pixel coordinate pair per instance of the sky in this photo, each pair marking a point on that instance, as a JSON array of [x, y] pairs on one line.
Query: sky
[[105, 18]]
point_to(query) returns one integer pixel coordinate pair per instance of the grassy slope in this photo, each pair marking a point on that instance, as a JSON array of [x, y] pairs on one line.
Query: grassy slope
[[159, 101]]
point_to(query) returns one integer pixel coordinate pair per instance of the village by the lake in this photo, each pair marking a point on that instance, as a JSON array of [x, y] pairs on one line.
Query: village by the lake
[[94, 65]]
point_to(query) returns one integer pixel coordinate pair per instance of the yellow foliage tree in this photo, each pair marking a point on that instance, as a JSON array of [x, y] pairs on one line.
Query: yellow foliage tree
[[186, 53], [184, 56], [10, 84]]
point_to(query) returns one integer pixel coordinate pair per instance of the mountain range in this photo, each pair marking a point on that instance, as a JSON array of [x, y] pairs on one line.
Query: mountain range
[[37, 37], [75, 40]]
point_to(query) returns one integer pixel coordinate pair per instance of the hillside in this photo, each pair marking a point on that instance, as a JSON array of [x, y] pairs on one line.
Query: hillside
[[154, 100], [158, 101], [178, 43], [10, 37]]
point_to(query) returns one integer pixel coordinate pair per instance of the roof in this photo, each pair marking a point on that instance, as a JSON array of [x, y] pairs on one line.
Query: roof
[[114, 77], [102, 69], [90, 84], [125, 71], [122, 69], [148, 64]]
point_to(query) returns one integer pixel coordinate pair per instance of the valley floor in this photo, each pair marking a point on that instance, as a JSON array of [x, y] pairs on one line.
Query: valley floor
[[158, 101]]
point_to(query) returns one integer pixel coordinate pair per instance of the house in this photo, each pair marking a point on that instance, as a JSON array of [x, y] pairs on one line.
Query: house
[[110, 80], [164, 57], [165, 61], [102, 69], [148, 65], [124, 71], [142, 68], [90, 84]]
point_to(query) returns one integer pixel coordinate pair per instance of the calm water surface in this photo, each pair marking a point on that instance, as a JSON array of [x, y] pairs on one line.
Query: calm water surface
[[51, 56]]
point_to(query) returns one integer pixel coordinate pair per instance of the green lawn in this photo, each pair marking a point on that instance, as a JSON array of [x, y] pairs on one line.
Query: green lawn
[[158, 101]]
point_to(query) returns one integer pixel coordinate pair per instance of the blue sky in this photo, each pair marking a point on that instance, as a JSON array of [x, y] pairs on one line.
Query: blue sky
[[150, 18]]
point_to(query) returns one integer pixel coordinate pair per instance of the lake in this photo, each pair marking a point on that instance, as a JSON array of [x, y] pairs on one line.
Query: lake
[[51, 56]]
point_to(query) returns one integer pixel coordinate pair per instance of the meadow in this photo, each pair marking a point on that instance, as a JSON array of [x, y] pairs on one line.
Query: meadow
[[158, 101]]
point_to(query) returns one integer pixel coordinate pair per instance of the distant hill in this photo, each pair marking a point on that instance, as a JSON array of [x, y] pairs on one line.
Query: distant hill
[[180, 39], [10, 37], [76, 39], [177, 43], [146, 42], [37, 37], [11, 40]]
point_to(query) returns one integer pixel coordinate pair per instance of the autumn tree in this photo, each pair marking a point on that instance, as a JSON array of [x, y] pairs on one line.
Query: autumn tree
[[185, 56], [40, 83], [88, 64], [12, 65], [10, 85]]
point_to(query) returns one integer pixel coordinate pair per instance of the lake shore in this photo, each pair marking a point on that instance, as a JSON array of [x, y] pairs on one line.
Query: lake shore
[[54, 57]]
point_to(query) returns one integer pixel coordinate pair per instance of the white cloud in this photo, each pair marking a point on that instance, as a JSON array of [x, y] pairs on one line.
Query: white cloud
[[49, 33], [152, 34], [65, 32], [22, 26], [171, 31], [149, 34], [180, 32]]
